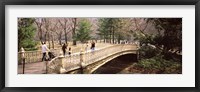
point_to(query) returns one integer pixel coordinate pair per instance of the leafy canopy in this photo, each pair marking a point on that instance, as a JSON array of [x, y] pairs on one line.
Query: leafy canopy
[[83, 31], [26, 32]]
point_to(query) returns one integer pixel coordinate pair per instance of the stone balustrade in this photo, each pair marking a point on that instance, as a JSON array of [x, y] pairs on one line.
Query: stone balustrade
[[82, 59], [34, 56]]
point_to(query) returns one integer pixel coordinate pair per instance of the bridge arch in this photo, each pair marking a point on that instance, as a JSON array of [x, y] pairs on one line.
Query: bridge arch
[[93, 67], [119, 64], [89, 61]]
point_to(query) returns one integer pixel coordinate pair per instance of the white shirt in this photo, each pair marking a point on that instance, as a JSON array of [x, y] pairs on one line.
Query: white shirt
[[44, 48]]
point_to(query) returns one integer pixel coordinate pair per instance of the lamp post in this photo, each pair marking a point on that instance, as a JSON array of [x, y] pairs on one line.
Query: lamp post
[[23, 59]]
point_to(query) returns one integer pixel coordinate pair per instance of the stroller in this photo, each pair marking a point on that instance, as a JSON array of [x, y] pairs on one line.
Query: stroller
[[50, 56]]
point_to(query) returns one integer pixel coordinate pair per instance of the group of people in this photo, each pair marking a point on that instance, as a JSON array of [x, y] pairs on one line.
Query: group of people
[[45, 49], [64, 47], [92, 46]]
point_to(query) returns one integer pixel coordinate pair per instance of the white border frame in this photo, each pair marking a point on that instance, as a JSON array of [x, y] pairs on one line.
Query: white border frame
[[186, 79]]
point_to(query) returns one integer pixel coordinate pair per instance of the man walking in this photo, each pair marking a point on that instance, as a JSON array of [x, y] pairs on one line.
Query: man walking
[[44, 57], [64, 49], [44, 51]]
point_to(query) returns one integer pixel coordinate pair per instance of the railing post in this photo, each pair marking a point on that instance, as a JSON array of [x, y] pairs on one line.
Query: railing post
[[81, 60], [138, 52], [62, 64], [22, 51]]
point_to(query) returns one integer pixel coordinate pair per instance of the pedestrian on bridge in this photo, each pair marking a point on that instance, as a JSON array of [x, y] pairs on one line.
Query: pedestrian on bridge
[[64, 49], [69, 51], [93, 45]]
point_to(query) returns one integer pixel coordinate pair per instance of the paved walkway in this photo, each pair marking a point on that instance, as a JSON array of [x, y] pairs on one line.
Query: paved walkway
[[39, 67], [32, 68]]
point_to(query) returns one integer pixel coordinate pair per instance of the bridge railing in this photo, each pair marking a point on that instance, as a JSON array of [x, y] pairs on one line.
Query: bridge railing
[[75, 61], [91, 57], [71, 61], [34, 56]]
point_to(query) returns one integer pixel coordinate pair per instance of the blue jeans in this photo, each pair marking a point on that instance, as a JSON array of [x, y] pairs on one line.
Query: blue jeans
[[92, 48]]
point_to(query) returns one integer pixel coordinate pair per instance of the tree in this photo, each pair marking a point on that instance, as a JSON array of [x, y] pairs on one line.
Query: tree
[[83, 31], [119, 29], [111, 28], [39, 24], [65, 26], [26, 32], [160, 52], [59, 31], [103, 29], [47, 24], [171, 40], [53, 29], [74, 24], [168, 40]]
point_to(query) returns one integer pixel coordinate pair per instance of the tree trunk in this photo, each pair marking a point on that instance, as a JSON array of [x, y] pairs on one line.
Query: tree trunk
[[41, 40], [110, 36], [60, 38], [104, 39], [65, 36], [73, 33], [118, 38], [40, 36], [52, 41], [60, 41], [113, 35], [45, 37], [49, 40]]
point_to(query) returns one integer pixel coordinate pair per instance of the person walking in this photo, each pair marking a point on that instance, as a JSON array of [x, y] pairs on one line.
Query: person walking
[[93, 45], [64, 49], [69, 51], [44, 51], [44, 57]]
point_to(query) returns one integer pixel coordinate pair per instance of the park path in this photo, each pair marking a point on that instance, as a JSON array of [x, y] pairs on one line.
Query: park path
[[39, 67], [32, 68]]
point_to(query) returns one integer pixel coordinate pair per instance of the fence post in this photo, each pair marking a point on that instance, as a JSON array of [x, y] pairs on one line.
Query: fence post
[[61, 64], [81, 60], [22, 51], [138, 52]]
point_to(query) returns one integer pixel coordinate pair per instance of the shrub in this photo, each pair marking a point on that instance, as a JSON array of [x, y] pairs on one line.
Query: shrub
[[159, 65], [147, 52]]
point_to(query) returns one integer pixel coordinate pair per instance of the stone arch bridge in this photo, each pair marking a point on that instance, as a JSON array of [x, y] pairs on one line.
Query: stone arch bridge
[[88, 62]]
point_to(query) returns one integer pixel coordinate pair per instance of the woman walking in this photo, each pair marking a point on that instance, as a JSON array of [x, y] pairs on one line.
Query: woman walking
[[93, 45]]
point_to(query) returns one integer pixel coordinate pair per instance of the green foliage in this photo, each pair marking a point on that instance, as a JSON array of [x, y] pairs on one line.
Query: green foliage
[[83, 32], [26, 32], [167, 43], [159, 65], [28, 43], [172, 35], [158, 52], [148, 51], [30, 49], [110, 28], [104, 28], [144, 38]]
